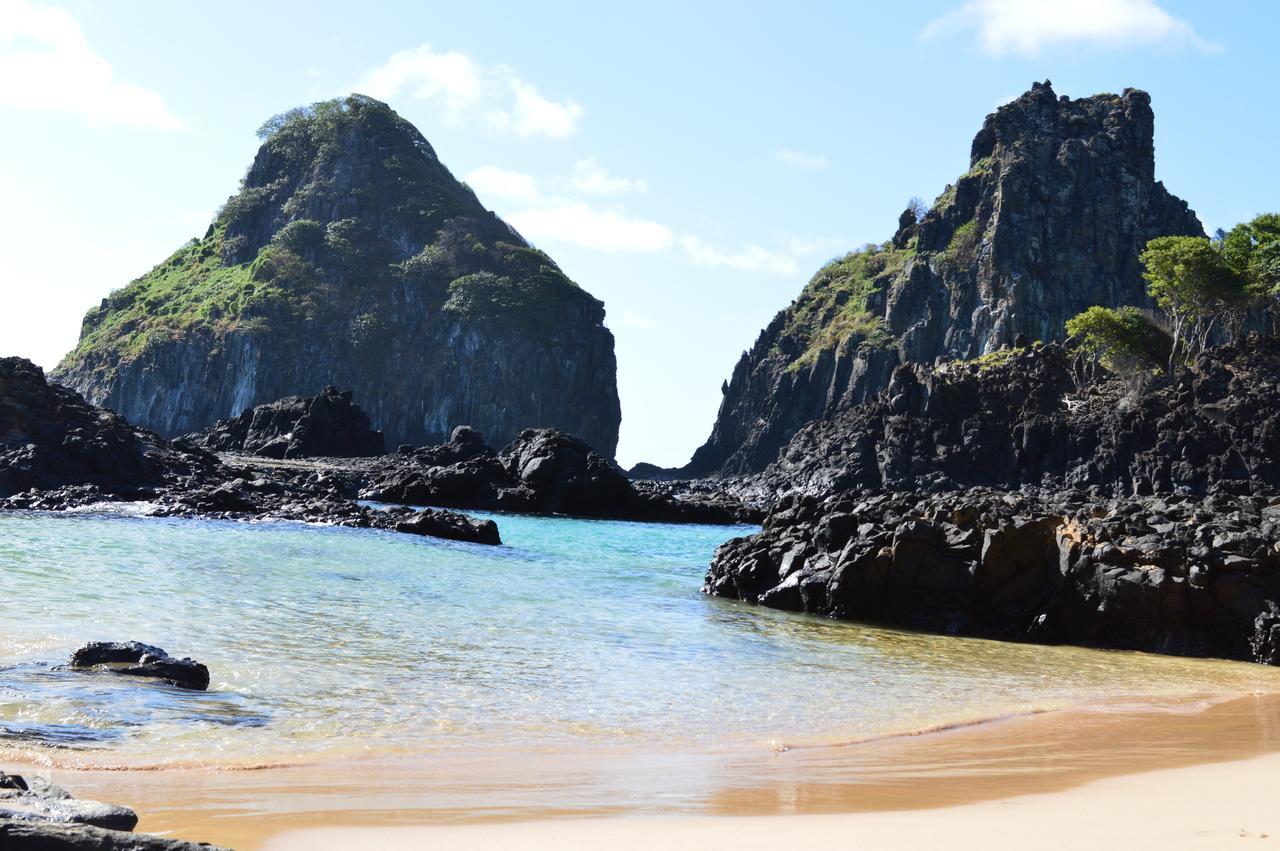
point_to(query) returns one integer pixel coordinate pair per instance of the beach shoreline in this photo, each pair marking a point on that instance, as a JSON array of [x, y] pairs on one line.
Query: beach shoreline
[[925, 779], [1187, 807]]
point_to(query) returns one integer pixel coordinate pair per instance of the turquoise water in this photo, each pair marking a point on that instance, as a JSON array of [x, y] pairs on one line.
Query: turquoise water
[[328, 642]]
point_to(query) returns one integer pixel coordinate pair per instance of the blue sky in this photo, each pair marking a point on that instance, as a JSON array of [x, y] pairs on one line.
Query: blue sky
[[690, 164]]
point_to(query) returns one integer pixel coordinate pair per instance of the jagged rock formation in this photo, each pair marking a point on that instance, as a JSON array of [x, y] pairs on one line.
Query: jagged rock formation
[[542, 471], [1181, 575], [59, 452], [50, 438], [1041, 416], [351, 256], [329, 424], [1058, 202]]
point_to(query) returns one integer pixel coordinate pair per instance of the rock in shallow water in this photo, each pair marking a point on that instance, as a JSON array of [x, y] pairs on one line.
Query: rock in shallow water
[[452, 526], [1176, 574], [140, 660]]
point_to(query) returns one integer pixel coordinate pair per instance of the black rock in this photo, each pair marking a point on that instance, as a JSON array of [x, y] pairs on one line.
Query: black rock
[[1035, 565], [133, 658], [329, 424], [25, 835], [451, 526]]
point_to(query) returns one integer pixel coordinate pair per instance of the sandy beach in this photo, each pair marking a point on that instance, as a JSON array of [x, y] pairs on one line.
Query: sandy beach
[[1182, 775], [1223, 805]]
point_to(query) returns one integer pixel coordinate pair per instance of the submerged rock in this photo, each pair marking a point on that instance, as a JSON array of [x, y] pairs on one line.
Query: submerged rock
[[133, 658], [328, 424], [22, 835]]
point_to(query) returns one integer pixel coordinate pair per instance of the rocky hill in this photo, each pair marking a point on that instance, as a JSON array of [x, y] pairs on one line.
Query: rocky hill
[[351, 256], [1044, 416], [1058, 202]]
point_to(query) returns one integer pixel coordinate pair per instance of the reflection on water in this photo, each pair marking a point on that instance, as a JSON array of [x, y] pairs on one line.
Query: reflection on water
[[574, 637]]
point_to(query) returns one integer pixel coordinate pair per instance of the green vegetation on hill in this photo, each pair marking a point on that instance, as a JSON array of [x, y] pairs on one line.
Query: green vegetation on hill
[[1203, 287], [345, 217], [833, 306]]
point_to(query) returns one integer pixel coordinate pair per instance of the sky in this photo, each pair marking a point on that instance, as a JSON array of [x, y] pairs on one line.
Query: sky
[[690, 164]]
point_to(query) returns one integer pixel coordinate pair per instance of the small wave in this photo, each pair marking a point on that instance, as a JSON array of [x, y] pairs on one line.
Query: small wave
[[1172, 704]]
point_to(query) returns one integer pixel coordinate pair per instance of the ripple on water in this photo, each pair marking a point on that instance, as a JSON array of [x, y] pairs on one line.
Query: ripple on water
[[331, 641]]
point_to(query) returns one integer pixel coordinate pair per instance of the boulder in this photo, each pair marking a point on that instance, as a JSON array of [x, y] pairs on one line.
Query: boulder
[[133, 658], [451, 526]]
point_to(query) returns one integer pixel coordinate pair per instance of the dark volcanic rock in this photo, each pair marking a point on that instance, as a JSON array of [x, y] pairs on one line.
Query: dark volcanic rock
[[136, 659], [40, 801], [326, 425], [452, 526], [18, 835], [1058, 203], [59, 452], [1183, 575], [51, 438], [352, 256], [543, 471], [1040, 416]]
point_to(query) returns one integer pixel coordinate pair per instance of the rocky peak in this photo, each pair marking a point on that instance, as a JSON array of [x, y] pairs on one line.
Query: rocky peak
[[1059, 200], [352, 257]]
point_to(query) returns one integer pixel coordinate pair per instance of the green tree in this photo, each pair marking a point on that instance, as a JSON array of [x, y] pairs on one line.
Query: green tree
[[1252, 250], [1123, 340], [1192, 282]]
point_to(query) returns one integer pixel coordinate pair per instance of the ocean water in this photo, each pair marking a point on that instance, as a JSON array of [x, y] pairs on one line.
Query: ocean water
[[329, 643]]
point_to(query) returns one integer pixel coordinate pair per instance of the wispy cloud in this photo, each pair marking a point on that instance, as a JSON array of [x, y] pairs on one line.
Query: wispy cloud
[[465, 90], [580, 224], [801, 245], [1027, 27], [750, 258], [594, 179], [47, 65], [631, 319], [493, 182], [802, 159]]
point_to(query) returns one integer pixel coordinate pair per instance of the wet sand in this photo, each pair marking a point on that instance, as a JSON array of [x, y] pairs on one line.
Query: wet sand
[[1213, 758]]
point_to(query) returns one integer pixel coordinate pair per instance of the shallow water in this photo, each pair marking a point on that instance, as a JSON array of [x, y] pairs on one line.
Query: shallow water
[[574, 636]]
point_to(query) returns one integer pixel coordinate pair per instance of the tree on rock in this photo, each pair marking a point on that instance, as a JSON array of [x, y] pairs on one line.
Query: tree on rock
[[1194, 285], [1123, 340], [1252, 250]]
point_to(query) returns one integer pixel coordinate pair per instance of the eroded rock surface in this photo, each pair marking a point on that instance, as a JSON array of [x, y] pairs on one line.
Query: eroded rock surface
[[543, 471], [1058, 203], [135, 659], [1188, 575], [328, 424]]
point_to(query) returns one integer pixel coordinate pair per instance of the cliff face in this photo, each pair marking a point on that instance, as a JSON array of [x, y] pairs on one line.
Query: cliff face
[[1059, 200], [351, 256]]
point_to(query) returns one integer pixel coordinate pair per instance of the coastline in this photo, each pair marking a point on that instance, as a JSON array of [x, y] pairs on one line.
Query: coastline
[[945, 780], [1171, 809]]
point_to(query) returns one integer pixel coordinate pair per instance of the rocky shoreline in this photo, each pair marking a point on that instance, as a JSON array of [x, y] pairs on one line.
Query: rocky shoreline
[[1036, 497], [57, 452]]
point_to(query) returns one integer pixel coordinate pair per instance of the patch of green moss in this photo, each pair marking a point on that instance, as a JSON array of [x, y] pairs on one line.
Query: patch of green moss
[[833, 306], [191, 289]]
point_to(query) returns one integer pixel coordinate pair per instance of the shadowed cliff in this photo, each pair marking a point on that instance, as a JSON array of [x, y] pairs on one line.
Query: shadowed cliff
[[351, 256]]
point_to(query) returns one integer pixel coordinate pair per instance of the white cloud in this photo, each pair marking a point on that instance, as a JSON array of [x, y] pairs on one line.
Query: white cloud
[[802, 159], [493, 182], [579, 224], [631, 319], [47, 65], [464, 90], [591, 177], [751, 258], [1025, 27], [802, 245]]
